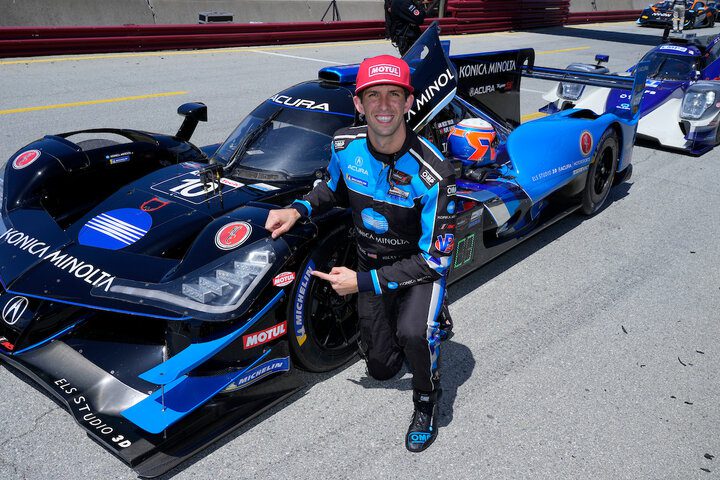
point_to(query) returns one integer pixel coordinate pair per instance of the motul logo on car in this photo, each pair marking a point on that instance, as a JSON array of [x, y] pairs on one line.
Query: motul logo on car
[[384, 69], [285, 278], [267, 335]]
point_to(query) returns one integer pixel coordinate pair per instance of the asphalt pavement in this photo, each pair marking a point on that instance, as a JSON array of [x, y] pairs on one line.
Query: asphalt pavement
[[589, 352]]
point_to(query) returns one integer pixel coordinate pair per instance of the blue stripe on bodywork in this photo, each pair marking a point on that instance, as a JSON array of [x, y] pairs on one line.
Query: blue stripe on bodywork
[[164, 408], [197, 353], [53, 337]]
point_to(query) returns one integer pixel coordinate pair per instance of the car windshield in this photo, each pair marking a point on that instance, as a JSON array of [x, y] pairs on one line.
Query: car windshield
[[280, 142], [666, 66]]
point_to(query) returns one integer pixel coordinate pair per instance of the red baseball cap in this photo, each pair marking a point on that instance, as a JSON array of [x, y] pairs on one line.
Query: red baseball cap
[[383, 70]]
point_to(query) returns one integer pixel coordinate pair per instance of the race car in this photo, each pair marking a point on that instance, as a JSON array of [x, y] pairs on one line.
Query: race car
[[140, 289], [699, 13], [681, 105]]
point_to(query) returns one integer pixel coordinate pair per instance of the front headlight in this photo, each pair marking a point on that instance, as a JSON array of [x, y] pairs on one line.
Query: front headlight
[[570, 91], [209, 293], [697, 100]]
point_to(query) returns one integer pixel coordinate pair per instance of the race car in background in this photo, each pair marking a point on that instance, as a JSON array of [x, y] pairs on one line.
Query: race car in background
[[681, 105], [140, 289], [699, 13]]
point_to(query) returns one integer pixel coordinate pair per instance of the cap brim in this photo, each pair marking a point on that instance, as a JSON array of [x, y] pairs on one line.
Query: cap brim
[[384, 81]]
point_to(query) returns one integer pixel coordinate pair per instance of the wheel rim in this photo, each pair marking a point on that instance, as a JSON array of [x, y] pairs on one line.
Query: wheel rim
[[333, 319], [603, 171]]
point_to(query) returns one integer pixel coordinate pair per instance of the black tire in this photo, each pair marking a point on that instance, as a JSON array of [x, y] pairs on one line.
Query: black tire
[[601, 173], [329, 321], [94, 143]]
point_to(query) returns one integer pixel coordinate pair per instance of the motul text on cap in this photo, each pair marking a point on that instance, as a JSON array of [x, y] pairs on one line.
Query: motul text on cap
[[383, 70]]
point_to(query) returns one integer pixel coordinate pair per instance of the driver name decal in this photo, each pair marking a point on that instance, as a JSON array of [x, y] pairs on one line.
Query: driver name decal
[[232, 235], [80, 269], [25, 159], [299, 103]]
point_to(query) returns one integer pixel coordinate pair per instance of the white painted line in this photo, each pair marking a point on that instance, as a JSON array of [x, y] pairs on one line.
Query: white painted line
[[294, 56]]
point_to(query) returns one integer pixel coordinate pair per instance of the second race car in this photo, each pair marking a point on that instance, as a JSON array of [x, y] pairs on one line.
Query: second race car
[[697, 14]]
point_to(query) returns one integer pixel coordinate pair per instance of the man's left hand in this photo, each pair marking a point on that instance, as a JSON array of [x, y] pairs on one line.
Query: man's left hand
[[342, 280]]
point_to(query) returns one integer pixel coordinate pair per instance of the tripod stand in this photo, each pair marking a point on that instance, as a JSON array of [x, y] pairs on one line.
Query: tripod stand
[[335, 11]]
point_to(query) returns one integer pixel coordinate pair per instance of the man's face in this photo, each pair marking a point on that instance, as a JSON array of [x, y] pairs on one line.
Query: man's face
[[384, 107]]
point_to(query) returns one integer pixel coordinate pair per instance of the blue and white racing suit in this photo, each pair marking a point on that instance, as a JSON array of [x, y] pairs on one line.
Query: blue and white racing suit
[[403, 210]]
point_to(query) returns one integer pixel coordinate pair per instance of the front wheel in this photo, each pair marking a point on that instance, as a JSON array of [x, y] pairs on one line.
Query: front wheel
[[325, 324], [601, 173]]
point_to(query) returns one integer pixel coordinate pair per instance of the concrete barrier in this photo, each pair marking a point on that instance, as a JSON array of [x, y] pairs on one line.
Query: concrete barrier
[[608, 5], [147, 12]]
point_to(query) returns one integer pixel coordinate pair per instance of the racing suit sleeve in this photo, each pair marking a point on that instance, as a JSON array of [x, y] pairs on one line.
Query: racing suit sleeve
[[436, 243], [325, 195], [408, 11]]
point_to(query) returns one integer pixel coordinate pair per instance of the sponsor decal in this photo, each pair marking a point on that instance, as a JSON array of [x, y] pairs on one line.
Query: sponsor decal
[[398, 192], [374, 221], [384, 69], [231, 183], [428, 178], [5, 343], [116, 158], [359, 181], [115, 229], [259, 372], [155, 203], [25, 159], [14, 309], [429, 93], [359, 170], [447, 226], [445, 243], [419, 437], [675, 48], [86, 417], [252, 340], [283, 279], [299, 103], [489, 68], [416, 12], [299, 320], [392, 285], [451, 207], [63, 261], [232, 235], [586, 143], [395, 242], [482, 90], [451, 190], [400, 177], [264, 187]]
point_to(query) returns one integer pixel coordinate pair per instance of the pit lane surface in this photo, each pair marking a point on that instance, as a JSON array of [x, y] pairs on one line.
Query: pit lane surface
[[590, 351]]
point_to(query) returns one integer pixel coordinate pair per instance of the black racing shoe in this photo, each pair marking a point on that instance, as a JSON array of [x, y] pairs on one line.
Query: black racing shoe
[[423, 427]]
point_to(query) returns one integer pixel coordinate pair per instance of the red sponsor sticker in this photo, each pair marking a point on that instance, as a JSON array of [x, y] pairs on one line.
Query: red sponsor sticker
[[25, 159], [6, 344], [232, 235], [154, 204], [252, 340], [586, 143], [284, 278]]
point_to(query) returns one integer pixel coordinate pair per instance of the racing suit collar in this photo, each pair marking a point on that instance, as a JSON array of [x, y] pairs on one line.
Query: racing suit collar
[[390, 159]]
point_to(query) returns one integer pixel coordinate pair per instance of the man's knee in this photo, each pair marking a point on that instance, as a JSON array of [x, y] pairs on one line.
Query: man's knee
[[383, 370], [415, 334]]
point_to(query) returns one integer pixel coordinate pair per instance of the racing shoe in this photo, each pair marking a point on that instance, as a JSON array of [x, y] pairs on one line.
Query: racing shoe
[[423, 426]]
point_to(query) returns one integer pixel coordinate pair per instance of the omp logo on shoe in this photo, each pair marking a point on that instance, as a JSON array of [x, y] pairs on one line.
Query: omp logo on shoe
[[374, 221], [384, 69], [419, 437], [269, 334]]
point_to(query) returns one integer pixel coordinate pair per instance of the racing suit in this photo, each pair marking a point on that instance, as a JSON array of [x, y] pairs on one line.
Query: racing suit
[[402, 23], [678, 15], [404, 217]]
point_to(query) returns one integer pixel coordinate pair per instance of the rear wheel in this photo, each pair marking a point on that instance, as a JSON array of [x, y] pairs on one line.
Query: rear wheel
[[601, 173], [325, 325]]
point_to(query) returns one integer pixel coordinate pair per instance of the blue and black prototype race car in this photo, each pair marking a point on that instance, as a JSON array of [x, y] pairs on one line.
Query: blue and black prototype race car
[[680, 108], [698, 14], [140, 289]]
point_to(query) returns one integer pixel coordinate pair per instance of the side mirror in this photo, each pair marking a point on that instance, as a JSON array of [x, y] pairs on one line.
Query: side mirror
[[193, 112], [602, 59]]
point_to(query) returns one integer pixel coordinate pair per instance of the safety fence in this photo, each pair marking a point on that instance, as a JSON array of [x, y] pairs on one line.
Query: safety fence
[[464, 16]]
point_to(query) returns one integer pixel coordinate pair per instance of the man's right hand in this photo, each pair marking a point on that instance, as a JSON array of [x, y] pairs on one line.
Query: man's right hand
[[281, 220]]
